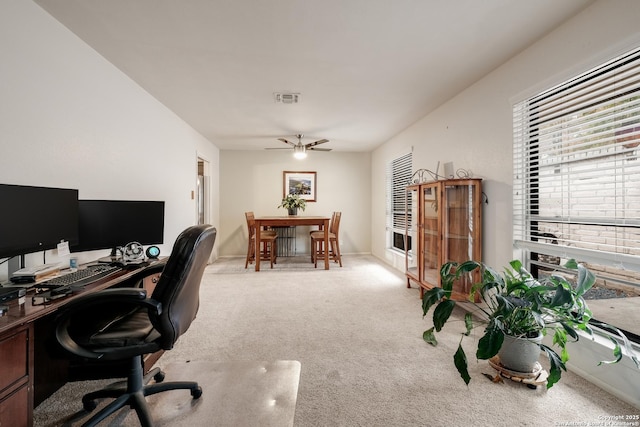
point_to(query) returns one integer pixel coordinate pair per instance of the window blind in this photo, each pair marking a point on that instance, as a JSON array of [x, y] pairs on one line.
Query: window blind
[[398, 175], [576, 165]]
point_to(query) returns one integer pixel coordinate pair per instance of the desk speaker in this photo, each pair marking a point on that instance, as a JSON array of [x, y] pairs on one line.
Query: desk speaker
[[153, 252]]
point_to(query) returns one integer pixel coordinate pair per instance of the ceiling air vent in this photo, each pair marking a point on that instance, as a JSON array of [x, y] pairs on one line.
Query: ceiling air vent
[[287, 98]]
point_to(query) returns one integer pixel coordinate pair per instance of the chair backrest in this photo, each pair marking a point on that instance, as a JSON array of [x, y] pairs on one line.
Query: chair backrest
[[251, 224], [179, 286], [335, 223]]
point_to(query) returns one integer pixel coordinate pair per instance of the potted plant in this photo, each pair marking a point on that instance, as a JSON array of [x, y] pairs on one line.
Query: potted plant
[[515, 306], [293, 202]]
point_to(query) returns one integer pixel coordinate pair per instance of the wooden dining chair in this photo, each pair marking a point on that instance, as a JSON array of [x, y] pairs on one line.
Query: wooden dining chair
[[268, 242], [315, 230], [318, 251]]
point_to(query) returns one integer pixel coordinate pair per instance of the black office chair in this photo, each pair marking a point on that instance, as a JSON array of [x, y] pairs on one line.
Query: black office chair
[[122, 323]]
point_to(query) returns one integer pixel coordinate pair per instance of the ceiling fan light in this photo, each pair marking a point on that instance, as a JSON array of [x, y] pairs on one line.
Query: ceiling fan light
[[299, 152]]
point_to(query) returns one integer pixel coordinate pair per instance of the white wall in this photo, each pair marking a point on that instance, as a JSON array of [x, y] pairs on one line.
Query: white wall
[[474, 129], [68, 118], [253, 182]]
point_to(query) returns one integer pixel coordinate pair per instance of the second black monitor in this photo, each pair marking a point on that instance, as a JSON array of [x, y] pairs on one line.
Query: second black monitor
[[107, 224]]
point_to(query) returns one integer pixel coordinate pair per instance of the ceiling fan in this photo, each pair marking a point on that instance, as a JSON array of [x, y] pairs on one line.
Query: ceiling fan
[[300, 149]]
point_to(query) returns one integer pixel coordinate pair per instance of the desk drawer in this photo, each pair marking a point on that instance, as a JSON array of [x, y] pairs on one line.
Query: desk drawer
[[14, 353], [14, 410]]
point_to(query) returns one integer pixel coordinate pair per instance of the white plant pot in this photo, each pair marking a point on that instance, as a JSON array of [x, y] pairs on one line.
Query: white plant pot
[[520, 354]]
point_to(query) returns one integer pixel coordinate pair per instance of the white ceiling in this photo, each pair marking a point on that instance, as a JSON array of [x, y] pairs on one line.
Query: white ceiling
[[365, 69]]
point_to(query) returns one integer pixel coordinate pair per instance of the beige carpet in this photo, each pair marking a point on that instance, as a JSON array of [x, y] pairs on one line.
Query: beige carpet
[[357, 333]]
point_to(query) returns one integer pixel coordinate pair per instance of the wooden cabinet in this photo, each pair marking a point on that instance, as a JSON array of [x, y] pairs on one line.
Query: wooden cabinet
[[443, 223], [16, 381]]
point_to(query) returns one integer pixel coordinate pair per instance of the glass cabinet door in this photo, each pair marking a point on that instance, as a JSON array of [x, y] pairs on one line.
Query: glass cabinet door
[[430, 234], [411, 233], [460, 227]]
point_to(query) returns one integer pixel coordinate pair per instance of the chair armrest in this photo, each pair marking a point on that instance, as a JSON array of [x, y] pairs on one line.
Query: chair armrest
[[119, 296]]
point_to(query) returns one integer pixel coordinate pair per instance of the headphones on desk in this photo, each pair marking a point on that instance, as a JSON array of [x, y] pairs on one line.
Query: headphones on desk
[[132, 251]]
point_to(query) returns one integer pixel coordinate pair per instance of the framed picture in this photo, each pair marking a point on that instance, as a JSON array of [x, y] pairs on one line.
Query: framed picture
[[301, 183]]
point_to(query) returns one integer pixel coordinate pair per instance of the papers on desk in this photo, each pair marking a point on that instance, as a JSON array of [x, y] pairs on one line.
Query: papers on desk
[[37, 271]]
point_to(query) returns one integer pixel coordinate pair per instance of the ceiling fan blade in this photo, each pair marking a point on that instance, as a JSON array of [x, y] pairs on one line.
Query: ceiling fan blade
[[286, 142], [313, 144], [319, 149]]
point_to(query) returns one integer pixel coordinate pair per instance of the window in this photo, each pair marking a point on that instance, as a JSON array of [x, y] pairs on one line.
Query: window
[[398, 176], [577, 177]]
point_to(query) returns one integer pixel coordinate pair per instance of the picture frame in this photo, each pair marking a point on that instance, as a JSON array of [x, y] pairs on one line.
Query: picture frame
[[301, 183]]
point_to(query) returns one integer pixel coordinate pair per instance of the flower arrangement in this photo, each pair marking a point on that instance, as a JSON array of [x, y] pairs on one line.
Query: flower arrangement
[[293, 202]]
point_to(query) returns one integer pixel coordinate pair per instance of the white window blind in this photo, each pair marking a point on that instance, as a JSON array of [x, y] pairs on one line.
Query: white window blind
[[398, 175], [577, 172]]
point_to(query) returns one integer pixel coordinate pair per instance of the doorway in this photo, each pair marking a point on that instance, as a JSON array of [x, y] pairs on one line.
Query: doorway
[[202, 192]]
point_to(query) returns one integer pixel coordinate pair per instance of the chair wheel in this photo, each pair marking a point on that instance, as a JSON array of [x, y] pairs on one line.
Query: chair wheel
[[196, 392], [89, 405], [159, 377]]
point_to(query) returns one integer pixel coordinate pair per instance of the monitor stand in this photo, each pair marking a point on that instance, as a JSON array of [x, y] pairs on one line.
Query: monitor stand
[[114, 256]]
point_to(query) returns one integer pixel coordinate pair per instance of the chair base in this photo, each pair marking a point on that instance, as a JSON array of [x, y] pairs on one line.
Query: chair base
[[132, 393]]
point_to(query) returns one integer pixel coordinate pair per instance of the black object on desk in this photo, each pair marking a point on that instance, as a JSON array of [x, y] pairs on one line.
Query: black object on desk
[[10, 293], [23, 279]]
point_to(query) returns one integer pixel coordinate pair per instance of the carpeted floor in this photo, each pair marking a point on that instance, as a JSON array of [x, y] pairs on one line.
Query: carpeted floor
[[357, 333]]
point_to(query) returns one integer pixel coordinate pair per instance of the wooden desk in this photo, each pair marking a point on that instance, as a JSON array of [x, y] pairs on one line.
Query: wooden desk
[[288, 221], [26, 372]]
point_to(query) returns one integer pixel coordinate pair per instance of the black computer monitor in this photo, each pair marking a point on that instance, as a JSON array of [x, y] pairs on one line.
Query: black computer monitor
[[34, 219], [109, 224]]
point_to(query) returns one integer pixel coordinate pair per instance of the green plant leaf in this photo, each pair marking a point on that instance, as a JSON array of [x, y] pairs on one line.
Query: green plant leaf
[[468, 322], [627, 344], [442, 312], [445, 270], [429, 337], [560, 337], [617, 353], [556, 366], [460, 360], [467, 267], [447, 276], [562, 297], [572, 263], [490, 343], [431, 297], [586, 279], [569, 330]]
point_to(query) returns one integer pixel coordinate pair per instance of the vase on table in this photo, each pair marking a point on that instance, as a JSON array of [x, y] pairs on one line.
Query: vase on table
[[293, 211]]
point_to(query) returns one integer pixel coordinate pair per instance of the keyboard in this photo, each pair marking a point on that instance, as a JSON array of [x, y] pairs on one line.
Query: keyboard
[[81, 277]]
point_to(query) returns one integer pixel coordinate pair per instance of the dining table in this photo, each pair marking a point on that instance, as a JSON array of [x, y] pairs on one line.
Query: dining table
[[262, 222]]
